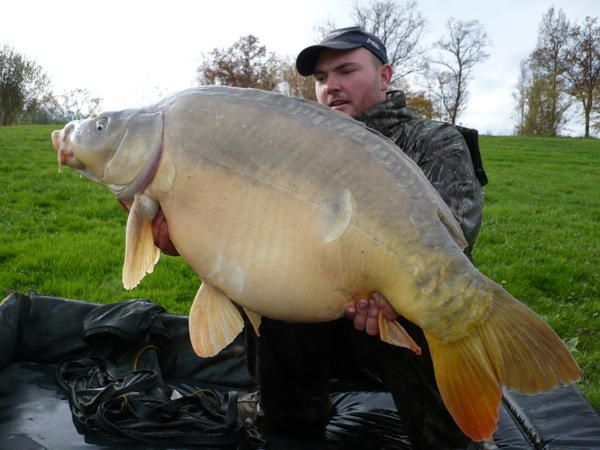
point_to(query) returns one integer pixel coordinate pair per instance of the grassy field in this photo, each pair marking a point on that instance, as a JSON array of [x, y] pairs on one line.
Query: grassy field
[[63, 236]]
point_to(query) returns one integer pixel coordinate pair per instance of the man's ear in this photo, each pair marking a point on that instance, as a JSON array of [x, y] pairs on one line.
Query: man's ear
[[385, 76], [140, 143]]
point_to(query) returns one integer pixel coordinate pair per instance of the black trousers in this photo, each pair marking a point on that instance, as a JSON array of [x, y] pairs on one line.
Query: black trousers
[[297, 364]]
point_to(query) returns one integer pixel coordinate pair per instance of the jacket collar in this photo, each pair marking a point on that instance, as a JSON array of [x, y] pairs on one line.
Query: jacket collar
[[387, 114]]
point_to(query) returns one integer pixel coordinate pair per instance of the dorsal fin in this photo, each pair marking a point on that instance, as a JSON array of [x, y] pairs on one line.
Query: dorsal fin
[[452, 226]]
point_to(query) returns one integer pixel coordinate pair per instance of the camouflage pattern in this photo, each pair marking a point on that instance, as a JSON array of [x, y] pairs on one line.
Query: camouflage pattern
[[440, 151], [295, 364]]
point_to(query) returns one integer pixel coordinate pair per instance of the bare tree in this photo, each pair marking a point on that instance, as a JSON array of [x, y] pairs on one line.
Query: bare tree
[[398, 24], [582, 66], [547, 63], [535, 112], [245, 64], [595, 116], [521, 96], [323, 28], [452, 68], [76, 104], [23, 86]]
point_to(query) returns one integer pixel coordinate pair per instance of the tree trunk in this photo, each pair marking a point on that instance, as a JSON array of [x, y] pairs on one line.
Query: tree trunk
[[587, 111], [587, 122]]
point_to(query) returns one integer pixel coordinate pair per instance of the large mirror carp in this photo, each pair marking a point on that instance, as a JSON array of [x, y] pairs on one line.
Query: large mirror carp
[[291, 211]]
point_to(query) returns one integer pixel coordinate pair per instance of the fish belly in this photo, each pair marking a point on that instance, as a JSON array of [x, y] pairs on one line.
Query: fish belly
[[266, 248]]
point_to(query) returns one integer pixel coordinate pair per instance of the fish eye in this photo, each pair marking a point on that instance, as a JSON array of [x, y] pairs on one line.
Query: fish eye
[[102, 123]]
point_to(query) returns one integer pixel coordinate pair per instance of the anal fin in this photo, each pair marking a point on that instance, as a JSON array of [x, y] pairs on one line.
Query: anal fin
[[393, 333], [141, 255], [214, 321]]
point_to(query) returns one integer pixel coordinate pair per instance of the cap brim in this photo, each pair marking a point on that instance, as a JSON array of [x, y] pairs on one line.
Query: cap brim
[[307, 58]]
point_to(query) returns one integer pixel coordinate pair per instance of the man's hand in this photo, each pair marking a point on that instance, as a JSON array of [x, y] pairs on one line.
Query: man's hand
[[160, 233], [364, 313]]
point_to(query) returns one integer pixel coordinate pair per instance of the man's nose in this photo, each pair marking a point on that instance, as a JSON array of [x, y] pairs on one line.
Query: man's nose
[[333, 84]]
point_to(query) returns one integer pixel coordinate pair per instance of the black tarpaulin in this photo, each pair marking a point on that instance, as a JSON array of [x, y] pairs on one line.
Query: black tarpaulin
[[40, 333]]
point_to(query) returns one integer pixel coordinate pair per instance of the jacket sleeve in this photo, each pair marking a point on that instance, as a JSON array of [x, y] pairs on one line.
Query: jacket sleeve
[[444, 157]]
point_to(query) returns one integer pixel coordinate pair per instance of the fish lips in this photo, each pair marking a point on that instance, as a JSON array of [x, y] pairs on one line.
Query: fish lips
[[65, 156]]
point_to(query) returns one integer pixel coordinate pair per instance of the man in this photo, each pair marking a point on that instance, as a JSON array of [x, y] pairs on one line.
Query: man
[[295, 363]]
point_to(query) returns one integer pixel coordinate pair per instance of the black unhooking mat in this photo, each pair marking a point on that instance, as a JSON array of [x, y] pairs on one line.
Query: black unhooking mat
[[77, 375]]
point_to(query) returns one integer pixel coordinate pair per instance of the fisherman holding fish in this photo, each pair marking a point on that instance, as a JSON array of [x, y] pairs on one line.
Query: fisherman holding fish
[[295, 362], [305, 211]]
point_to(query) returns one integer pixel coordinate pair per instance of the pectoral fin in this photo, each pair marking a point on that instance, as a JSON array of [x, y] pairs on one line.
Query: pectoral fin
[[393, 333], [214, 321], [254, 319], [336, 214], [141, 255]]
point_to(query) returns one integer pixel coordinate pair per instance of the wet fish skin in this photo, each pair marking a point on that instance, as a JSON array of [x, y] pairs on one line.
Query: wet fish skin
[[291, 211]]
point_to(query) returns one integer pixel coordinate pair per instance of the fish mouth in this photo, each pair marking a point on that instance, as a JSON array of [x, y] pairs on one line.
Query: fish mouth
[[65, 156]]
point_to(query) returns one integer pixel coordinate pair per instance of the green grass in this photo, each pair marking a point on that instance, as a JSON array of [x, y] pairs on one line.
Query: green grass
[[63, 236], [541, 236]]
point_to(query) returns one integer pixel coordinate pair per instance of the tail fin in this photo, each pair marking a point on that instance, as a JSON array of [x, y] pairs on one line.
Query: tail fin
[[512, 346]]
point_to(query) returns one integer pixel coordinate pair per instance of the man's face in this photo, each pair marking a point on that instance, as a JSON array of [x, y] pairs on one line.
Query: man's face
[[350, 81]]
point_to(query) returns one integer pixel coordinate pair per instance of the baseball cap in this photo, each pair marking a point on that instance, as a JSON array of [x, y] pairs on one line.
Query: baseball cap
[[340, 39]]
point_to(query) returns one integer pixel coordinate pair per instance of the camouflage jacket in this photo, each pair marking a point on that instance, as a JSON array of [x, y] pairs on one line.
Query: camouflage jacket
[[440, 151]]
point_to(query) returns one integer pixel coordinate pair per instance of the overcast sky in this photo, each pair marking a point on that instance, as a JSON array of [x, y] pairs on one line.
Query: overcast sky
[[132, 53]]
